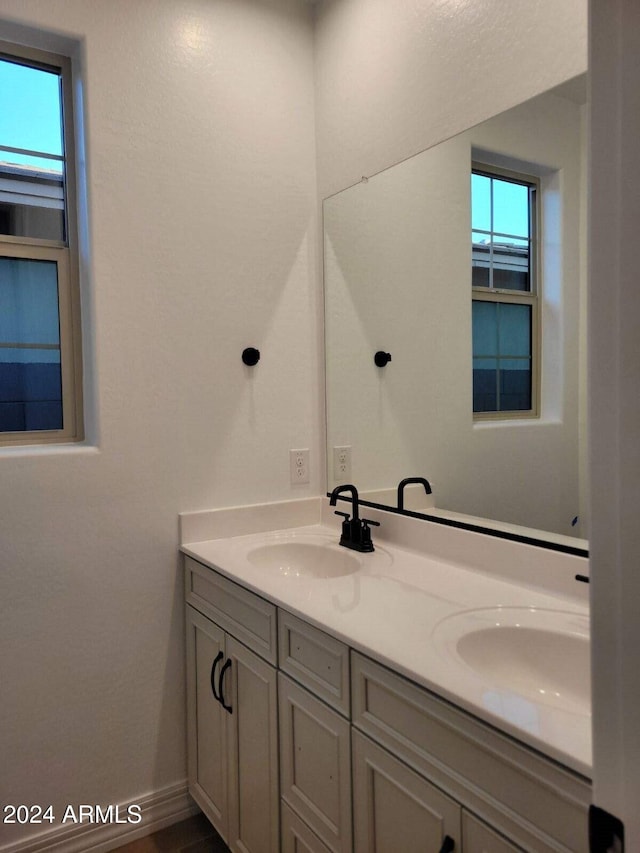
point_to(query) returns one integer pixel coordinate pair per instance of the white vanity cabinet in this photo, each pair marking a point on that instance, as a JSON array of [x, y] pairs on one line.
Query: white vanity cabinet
[[326, 750], [523, 796], [232, 710]]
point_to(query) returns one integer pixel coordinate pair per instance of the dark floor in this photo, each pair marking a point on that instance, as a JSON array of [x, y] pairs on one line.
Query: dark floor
[[195, 835]]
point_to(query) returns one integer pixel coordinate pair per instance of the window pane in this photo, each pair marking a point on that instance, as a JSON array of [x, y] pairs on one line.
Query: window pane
[[28, 302], [31, 187], [515, 385], [481, 202], [480, 259], [30, 370], [485, 328], [28, 165], [30, 109], [30, 389], [501, 383], [20, 220], [485, 384], [510, 208], [32, 200], [514, 330], [506, 229], [511, 266]]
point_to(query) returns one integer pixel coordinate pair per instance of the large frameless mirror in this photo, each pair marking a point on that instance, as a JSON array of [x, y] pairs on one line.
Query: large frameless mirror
[[464, 267]]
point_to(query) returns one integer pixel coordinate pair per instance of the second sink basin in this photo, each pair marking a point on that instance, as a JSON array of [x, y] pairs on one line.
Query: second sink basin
[[536, 653], [311, 559]]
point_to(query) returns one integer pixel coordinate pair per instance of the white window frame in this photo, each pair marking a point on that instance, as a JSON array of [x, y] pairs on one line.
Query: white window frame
[[529, 297], [64, 254]]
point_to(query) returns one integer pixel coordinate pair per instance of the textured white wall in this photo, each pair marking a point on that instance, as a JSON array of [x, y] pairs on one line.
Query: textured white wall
[[397, 277], [202, 198], [395, 78], [203, 219]]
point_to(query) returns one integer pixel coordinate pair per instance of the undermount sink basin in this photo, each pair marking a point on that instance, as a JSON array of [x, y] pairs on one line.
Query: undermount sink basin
[[539, 654], [305, 559]]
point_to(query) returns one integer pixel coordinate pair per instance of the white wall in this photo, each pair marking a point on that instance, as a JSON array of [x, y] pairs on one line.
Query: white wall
[[396, 78], [397, 277], [201, 182]]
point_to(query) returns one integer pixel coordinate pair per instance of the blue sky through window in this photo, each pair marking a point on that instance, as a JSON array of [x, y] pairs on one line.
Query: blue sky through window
[[30, 114], [509, 213]]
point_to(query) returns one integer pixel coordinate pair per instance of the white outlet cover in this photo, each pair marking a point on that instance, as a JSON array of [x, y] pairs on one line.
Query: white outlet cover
[[299, 466], [342, 463]]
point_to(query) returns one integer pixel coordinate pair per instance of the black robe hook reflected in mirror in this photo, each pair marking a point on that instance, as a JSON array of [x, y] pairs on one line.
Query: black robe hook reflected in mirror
[[382, 358], [251, 356]]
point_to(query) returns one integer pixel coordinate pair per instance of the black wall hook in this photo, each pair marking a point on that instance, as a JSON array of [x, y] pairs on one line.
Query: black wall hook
[[382, 358], [251, 356]]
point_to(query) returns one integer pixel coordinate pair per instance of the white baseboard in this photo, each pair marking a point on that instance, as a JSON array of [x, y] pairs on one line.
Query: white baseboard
[[159, 809]]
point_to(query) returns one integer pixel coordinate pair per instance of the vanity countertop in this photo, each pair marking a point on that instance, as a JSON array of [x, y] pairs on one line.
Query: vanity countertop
[[409, 609]]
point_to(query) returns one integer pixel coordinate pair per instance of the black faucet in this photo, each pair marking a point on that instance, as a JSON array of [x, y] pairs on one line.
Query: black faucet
[[405, 482], [356, 533]]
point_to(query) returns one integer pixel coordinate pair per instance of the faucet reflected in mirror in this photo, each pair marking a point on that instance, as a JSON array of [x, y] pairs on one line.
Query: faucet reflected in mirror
[[401, 276], [407, 481]]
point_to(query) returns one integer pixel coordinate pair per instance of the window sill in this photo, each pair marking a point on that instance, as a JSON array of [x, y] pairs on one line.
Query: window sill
[[79, 448], [500, 423]]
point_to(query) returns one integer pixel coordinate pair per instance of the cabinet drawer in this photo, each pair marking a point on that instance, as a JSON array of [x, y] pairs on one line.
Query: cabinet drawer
[[534, 801], [315, 659], [246, 616], [315, 764]]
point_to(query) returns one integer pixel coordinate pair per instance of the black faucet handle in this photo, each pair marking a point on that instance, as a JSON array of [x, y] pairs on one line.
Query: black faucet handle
[[343, 514], [364, 534]]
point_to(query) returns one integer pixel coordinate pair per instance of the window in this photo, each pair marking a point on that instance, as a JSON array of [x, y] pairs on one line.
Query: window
[[504, 294], [40, 357]]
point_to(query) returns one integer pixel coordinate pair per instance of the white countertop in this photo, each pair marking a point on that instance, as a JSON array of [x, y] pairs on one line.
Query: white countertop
[[402, 606]]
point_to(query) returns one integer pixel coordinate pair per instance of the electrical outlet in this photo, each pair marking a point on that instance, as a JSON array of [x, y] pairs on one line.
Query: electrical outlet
[[299, 466], [342, 464]]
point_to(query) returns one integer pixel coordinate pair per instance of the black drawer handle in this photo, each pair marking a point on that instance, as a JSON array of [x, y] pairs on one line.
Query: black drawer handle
[[448, 845], [222, 672], [217, 660]]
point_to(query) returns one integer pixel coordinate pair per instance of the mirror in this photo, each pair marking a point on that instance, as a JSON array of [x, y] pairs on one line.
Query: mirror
[[398, 260]]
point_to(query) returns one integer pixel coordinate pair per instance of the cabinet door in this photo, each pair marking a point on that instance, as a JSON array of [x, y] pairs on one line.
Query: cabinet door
[[206, 721], [480, 838], [396, 809], [296, 835], [531, 799], [249, 687], [316, 764]]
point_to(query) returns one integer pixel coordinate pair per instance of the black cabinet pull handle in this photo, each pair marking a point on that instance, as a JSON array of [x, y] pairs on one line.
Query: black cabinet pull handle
[[448, 845], [217, 660], [222, 672]]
